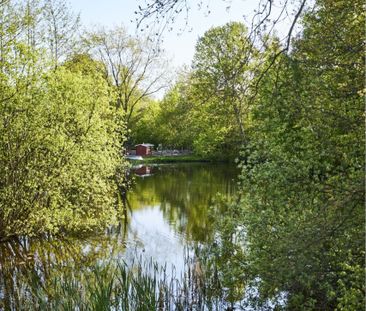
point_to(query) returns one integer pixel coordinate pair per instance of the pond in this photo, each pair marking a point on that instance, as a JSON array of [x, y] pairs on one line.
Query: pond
[[169, 207], [167, 216]]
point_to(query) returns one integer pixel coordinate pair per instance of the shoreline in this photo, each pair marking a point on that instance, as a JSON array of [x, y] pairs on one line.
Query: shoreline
[[176, 159], [171, 159]]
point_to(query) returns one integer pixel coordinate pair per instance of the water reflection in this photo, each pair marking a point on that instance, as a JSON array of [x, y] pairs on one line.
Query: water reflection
[[166, 212], [183, 194], [142, 170], [26, 264]]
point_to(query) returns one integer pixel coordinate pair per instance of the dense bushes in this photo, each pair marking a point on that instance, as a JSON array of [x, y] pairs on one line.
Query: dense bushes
[[60, 144], [302, 201], [59, 153]]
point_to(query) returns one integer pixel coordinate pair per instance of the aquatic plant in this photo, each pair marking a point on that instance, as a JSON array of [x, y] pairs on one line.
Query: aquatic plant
[[115, 285]]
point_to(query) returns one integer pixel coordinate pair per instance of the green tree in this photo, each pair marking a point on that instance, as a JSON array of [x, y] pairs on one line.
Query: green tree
[[169, 122], [59, 154], [59, 146], [223, 65], [144, 126], [302, 202], [175, 121]]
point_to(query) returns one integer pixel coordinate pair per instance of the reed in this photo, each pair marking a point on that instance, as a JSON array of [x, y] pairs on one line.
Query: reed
[[114, 285]]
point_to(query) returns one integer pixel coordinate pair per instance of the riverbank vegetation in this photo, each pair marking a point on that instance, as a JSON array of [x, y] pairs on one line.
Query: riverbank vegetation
[[291, 114], [64, 117], [206, 109], [296, 112], [108, 285]]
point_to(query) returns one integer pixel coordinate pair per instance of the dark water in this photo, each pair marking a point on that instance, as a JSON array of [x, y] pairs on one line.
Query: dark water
[[167, 213]]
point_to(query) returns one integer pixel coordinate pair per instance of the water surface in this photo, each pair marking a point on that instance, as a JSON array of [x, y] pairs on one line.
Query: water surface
[[167, 214], [169, 207]]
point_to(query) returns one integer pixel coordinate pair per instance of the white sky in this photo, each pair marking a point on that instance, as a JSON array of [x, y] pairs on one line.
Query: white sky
[[179, 47]]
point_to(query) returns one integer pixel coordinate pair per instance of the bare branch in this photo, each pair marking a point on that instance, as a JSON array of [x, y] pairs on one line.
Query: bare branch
[[136, 67]]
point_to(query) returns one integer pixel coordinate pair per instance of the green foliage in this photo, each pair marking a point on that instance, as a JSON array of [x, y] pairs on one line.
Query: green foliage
[[86, 65], [143, 285], [208, 109], [144, 125], [60, 140], [302, 201], [168, 122], [297, 228], [59, 153], [221, 85], [135, 67]]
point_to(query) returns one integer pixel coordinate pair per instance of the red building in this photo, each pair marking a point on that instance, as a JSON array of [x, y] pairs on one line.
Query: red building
[[144, 149], [143, 171]]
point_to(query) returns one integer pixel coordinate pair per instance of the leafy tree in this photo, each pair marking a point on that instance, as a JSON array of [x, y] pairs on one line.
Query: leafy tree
[[59, 149], [86, 65], [302, 202], [208, 108], [175, 121], [223, 68], [59, 155], [144, 126], [169, 122]]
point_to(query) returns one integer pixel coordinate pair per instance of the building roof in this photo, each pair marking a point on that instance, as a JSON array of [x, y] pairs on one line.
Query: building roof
[[145, 145]]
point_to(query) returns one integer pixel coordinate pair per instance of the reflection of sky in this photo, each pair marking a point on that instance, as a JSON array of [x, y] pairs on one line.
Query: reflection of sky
[[151, 236], [164, 218], [168, 210], [158, 229]]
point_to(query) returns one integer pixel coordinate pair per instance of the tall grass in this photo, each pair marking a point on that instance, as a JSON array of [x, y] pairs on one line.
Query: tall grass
[[113, 285]]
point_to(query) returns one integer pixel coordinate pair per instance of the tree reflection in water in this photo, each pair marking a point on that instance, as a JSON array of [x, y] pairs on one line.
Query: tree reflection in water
[[184, 193], [179, 194]]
